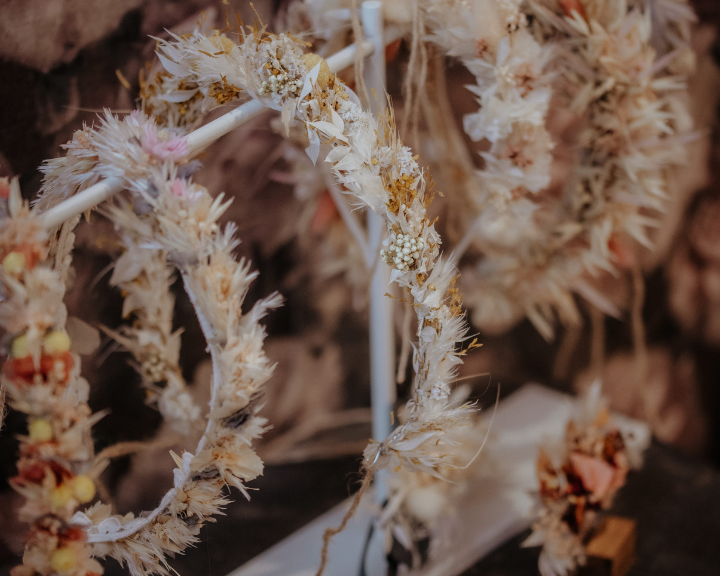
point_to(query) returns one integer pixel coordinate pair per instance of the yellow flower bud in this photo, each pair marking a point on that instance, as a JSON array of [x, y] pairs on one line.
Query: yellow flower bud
[[40, 430], [56, 343], [60, 495], [84, 489], [222, 42], [19, 348], [311, 60], [63, 560], [14, 263]]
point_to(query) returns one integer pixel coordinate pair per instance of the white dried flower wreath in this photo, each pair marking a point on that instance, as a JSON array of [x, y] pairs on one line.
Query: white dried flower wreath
[[170, 216]]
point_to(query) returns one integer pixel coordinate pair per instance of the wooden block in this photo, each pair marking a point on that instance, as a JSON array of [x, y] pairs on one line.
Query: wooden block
[[612, 548]]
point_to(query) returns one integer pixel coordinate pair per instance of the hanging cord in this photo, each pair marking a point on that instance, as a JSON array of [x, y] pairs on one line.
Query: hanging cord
[[415, 77], [330, 532], [359, 65], [568, 346], [597, 342], [409, 87], [638, 325]]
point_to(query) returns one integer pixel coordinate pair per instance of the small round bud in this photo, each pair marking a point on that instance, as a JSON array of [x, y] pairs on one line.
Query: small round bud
[[63, 560], [40, 430], [56, 343], [14, 263], [83, 488], [20, 348], [60, 495]]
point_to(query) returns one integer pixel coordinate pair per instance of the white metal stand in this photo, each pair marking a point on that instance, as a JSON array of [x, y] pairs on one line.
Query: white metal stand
[[382, 338]]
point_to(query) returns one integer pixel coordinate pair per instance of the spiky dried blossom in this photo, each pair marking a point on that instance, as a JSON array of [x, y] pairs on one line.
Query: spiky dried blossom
[[617, 65], [577, 480], [418, 519]]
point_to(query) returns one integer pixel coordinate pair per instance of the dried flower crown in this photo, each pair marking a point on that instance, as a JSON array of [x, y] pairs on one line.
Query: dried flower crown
[[618, 66], [167, 217]]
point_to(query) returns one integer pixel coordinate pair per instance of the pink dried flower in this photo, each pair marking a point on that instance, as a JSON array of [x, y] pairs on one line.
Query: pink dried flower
[[163, 147], [596, 474], [181, 189]]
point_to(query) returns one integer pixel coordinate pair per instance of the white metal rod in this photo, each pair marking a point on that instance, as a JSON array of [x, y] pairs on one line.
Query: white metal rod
[[224, 124], [382, 338], [81, 202], [197, 140]]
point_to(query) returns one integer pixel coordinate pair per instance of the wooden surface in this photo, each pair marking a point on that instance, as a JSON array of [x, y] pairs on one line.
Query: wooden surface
[[611, 550]]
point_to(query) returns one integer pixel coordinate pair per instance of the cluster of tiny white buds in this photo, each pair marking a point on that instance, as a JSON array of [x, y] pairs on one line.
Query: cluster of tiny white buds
[[403, 252], [154, 366], [277, 83]]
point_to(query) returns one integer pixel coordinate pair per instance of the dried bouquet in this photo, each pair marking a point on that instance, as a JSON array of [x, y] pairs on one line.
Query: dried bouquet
[[578, 480]]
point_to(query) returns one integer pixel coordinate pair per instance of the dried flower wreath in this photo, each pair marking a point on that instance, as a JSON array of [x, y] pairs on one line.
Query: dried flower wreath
[[618, 66], [579, 479], [167, 217]]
